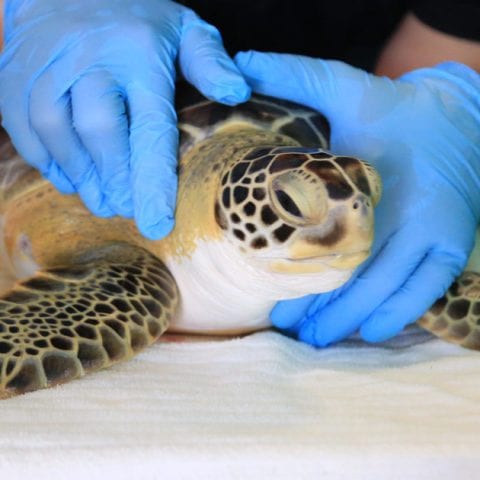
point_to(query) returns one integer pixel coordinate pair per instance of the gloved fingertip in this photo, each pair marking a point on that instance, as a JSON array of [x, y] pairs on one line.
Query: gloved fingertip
[[62, 186], [233, 94], [307, 333], [95, 201], [289, 313], [159, 229], [253, 64], [226, 85], [206, 65], [242, 59], [56, 176], [123, 210], [121, 203], [376, 330], [279, 317], [102, 210], [324, 335]]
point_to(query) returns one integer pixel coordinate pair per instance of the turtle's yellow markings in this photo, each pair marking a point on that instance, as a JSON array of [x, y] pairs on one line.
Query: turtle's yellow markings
[[202, 169], [61, 227]]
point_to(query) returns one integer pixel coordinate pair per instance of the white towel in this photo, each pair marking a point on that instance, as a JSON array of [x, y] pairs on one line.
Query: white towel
[[262, 406]]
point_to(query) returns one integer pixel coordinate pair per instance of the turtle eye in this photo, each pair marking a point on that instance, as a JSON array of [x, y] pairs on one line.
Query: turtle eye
[[288, 204], [297, 200]]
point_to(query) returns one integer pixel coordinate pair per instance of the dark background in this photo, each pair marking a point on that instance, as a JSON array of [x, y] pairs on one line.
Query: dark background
[[349, 30]]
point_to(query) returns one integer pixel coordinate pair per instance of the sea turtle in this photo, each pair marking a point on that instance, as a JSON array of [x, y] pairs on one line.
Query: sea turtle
[[264, 213]]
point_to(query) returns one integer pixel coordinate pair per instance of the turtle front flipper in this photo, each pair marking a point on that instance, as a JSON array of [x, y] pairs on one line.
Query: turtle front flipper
[[69, 320], [455, 317]]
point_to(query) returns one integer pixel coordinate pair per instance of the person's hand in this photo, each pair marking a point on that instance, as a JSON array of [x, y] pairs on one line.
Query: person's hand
[[422, 133], [86, 94]]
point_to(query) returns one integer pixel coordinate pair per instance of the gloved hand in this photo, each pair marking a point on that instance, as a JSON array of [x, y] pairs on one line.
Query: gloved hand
[[86, 93], [422, 133]]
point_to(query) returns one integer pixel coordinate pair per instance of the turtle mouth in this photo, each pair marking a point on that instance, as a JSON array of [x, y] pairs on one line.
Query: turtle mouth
[[336, 261]]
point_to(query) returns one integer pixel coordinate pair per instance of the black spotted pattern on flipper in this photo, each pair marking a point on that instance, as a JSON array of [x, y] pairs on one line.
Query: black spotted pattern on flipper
[[456, 316], [70, 320]]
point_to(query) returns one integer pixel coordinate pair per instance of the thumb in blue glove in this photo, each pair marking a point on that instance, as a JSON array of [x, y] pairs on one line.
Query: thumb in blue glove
[[86, 94], [422, 133]]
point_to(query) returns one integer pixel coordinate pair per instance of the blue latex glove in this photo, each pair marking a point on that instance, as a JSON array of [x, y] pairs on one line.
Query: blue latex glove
[[422, 133], [86, 93]]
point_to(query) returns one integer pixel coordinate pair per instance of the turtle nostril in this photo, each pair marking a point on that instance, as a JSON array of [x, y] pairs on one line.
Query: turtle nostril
[[287, 203], [362, 204]]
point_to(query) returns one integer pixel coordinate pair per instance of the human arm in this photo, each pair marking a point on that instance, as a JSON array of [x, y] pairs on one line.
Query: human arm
[[422, 133], [86, 94], [415, 44]]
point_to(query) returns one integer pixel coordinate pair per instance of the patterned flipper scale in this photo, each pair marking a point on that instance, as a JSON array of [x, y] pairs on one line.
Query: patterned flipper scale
[[456, 316], [70, 320]]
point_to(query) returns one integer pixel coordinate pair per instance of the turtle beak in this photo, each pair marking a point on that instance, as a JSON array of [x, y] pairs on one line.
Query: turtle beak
[[341, 261]]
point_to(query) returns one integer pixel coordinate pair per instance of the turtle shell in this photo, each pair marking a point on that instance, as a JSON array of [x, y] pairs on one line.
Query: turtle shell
[[199, 118]]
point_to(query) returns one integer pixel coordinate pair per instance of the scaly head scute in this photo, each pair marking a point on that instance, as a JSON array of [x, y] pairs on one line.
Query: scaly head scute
[[300, 210]]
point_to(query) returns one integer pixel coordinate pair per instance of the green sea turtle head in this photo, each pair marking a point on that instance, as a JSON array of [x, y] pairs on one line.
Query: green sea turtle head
[[299, 210]]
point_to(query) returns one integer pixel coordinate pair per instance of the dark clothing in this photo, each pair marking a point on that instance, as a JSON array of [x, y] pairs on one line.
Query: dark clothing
[[455, 17], [350, 30]]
